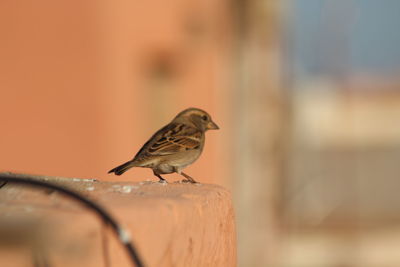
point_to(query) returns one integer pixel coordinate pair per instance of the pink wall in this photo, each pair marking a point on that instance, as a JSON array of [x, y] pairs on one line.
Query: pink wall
[[83, 84]]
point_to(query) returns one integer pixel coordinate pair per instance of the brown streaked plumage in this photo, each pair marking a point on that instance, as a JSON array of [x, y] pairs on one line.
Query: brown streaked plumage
[[173, 147]]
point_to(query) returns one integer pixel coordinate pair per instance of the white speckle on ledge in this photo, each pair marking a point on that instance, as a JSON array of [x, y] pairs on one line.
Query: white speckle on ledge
[[83, 180], [126, 189], [89, 180], [90, 188]]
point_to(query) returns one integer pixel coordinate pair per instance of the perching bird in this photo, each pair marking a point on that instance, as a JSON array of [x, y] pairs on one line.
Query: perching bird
[[173, 147]]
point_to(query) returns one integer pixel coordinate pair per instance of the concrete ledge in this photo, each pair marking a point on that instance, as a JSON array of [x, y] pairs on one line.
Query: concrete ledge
[[171, 224]]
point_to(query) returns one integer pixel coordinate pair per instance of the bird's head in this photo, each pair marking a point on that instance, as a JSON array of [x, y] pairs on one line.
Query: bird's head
[[196, 117]]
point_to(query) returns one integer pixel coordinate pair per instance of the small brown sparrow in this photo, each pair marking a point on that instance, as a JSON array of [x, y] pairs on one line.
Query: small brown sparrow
[[173, 147]]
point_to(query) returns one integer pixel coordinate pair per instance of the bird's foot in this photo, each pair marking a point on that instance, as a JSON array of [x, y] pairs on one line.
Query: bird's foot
[[188, 178], [188, 181]]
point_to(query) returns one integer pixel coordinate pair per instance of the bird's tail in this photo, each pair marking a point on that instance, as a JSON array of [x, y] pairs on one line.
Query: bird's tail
[[123, 168]]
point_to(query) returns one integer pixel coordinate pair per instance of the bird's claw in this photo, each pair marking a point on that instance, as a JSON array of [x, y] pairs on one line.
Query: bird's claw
[[188, 181]]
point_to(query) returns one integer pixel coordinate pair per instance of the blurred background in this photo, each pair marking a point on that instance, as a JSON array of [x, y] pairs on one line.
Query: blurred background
[[306, 93]]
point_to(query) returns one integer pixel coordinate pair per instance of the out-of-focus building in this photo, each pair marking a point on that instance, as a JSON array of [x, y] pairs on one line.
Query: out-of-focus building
[[318, 147], [339, 199]]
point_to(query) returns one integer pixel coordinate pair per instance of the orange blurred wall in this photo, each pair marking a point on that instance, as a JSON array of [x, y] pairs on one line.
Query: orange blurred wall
[[83, 84]]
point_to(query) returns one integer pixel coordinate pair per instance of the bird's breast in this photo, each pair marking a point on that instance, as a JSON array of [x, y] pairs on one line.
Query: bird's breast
[[182, 159]]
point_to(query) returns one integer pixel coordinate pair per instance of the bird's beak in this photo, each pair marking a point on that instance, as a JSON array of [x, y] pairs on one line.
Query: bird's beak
[[212, 126]]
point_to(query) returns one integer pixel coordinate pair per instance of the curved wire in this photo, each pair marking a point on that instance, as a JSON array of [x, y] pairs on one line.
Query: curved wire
[[121, 234]]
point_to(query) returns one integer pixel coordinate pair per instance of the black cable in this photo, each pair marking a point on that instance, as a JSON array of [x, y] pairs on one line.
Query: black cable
[[121, 234]]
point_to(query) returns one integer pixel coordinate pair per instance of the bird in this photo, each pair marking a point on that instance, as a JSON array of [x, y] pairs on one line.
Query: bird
[[174, 147]]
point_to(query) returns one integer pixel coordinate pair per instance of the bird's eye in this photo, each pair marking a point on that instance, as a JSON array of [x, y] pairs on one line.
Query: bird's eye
[[204, 117]]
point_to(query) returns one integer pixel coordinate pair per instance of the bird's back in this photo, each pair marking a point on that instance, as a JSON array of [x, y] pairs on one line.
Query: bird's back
[[174, 139]]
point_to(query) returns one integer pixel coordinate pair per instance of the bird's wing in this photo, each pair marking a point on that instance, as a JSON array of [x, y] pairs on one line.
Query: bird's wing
[[171, 139]]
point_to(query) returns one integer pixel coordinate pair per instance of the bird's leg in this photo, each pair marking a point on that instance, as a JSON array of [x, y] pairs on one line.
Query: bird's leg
[[189, 179], [162, 180]]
